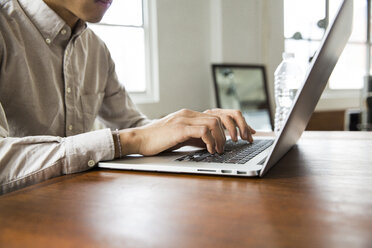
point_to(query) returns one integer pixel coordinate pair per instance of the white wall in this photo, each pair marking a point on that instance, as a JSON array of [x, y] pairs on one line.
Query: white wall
[[194, 33], [252, 32]]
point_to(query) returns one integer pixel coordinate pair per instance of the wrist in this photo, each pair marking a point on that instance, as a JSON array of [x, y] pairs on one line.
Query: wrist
[[130, 141], [117, 144]]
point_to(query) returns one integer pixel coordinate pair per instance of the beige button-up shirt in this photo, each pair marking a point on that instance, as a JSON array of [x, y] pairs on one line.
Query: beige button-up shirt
[[54, 82]]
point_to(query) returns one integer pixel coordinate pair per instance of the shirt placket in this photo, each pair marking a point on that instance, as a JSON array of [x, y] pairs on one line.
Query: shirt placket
[[70, 101]]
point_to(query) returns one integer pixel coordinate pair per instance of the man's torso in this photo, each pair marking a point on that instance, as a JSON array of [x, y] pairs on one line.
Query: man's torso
[[50, 84]]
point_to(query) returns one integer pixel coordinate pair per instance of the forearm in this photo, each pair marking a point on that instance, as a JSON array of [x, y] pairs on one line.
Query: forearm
[[29, 160]]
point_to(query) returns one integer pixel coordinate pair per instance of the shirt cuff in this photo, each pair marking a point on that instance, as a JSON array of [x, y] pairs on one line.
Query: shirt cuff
[[84, 151]]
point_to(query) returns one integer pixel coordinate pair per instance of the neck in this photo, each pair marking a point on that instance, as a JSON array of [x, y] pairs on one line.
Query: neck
[[64, 13]]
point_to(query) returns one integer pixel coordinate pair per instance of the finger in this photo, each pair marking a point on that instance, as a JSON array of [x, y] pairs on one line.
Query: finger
[[214, 126], [203, 133], [191, 113], [230, 125], [244, 130], [238, 121], [253, 131], [212, 115]]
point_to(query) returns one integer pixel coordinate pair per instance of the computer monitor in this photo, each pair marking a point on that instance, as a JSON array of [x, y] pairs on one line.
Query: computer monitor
[[244, 87]]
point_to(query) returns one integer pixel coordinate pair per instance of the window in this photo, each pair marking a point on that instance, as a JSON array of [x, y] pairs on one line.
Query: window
[[129, 32], [304, 26]]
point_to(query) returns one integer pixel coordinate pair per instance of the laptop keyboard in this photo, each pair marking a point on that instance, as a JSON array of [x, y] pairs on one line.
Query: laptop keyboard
[[235, 152]]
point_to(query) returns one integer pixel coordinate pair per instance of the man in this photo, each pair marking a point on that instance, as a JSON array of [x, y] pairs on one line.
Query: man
[[56, 77]]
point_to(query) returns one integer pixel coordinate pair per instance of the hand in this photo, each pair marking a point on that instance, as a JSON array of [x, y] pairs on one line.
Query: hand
[[185, 127], [231, 119]]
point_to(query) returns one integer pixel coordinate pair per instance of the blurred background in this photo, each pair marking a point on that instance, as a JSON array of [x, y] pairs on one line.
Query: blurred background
[[164, 49]]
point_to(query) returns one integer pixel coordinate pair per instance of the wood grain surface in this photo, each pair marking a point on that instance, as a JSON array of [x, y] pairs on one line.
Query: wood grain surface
[[318, 195]]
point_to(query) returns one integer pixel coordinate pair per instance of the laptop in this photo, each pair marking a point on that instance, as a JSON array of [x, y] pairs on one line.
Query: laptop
[[269, 151]]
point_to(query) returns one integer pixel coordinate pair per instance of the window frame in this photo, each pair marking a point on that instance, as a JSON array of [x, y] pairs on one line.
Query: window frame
[[149, 26], [151, 93]]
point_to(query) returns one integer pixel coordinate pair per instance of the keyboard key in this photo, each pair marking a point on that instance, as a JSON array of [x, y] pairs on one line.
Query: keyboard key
[[235, 152]]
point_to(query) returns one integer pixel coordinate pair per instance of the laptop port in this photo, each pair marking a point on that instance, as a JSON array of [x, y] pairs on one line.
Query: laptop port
[[205, 170], [241, 172], [226, 171]]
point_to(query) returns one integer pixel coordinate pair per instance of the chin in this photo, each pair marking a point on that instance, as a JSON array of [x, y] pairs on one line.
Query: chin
[[94, 19]]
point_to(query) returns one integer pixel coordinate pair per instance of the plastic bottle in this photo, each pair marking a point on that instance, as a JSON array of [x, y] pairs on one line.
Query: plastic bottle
[[287, 80]]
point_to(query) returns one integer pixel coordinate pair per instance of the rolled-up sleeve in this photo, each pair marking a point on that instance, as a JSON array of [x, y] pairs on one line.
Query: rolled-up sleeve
[[29, 160]]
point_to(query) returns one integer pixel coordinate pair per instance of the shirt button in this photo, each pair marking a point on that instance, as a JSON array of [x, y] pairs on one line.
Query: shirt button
[[70, 127], [68, 90], [91, 163], [66, 53], [63, 31], [47, 40]]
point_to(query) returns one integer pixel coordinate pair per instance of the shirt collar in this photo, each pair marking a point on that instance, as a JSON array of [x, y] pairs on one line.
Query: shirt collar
[[46, 20]]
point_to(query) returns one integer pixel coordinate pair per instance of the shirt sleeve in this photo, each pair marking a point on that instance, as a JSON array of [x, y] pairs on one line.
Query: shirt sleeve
[[1, 49], [29, 160], [118, 109]]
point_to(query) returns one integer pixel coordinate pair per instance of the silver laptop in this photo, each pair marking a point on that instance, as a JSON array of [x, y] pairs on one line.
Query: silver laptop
[[269, 151]]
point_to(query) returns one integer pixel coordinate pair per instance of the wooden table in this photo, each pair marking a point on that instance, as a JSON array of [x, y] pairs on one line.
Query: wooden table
[[318, 195]]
